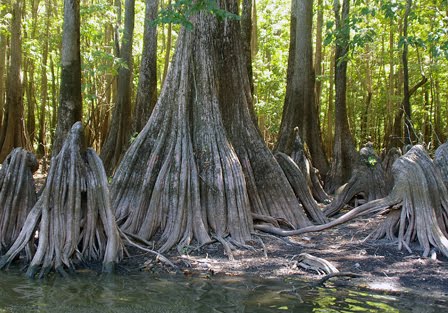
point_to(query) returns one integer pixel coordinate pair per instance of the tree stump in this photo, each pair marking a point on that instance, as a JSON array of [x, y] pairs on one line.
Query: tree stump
[[17, 194], [368, 180], [72, 219], [302, 159]]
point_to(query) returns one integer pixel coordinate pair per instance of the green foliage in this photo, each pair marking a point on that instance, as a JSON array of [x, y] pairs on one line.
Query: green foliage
[[181, 11], [271, 61]]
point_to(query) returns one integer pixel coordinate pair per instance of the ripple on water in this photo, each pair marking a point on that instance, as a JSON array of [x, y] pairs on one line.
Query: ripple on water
[[91, 293]]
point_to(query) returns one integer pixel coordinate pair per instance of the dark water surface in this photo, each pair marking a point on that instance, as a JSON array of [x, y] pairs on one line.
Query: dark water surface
[[87, 292]]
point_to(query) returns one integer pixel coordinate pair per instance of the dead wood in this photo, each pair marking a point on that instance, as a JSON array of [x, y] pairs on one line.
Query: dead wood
[[301, 188], [17, 194], [368, 181], [72, 219]]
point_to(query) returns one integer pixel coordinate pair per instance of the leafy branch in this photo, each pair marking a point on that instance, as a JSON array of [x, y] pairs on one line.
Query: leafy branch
[[181, 11]]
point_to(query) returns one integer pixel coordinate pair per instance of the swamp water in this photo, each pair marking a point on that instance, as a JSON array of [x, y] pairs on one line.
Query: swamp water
[[87, 292]]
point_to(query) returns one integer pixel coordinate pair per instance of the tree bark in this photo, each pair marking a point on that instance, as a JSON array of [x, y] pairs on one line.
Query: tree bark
[[70, 103], [147, 85], [300, 108], [118, 136], [12, 133], [408, 128], [344, 154], [200, 165], [17, 194], [3, 46], [41, 138], [73, 215]]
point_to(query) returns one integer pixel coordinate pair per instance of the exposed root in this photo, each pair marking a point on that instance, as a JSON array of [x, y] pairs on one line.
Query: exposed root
[[73, 215], [227, 247], [421, 198], [441, 162], [311, 174], [17, 194], [300, 187], [265, 218], [158, 255], [367, 179]]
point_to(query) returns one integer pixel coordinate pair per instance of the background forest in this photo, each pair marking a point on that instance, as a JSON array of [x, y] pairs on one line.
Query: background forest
[[33, 29]]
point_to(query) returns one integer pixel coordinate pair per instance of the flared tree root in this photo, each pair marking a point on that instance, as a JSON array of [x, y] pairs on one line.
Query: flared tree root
[[368, 181], [17, 194], [416, 208], [199, 168], [441, 162], [72, 221], [301, 157], [301, 188]]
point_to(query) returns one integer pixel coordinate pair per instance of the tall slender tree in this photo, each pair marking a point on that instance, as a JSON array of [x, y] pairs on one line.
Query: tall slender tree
[[118, 136], [147, 85], [344, 154], [12, 132], [300, 109], [70, 103]]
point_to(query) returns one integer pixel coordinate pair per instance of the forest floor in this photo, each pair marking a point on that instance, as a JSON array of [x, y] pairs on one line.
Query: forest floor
[[378, 265]]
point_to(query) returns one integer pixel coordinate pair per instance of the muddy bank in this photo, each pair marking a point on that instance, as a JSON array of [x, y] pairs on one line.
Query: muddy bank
[[376, 265]]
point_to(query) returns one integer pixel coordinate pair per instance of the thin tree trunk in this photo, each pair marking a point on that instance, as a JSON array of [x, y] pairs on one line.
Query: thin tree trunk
[[344, 154], [330, 110], [147, 85], [318, 53], [118, 136], [408, 131], [13, 134], [3, 45], [70, 105], [300, 108]]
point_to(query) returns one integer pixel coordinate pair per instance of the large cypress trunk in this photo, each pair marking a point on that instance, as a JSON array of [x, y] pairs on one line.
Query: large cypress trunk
[[199, 166]]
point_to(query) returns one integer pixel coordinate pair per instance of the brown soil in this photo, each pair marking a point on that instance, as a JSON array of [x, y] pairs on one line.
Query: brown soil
[[379, 264]]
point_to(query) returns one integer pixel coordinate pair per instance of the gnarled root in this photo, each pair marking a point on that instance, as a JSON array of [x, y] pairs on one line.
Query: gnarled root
[[367, 179], [73, 215], [301, 188], [311, 174], [420, 197], [17, 194]]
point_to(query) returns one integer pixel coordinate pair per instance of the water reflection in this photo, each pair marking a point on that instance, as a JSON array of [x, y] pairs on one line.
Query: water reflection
[[88, 292]]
